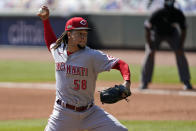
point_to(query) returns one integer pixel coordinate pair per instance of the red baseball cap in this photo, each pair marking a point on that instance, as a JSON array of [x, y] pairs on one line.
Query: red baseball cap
[[76, 23]]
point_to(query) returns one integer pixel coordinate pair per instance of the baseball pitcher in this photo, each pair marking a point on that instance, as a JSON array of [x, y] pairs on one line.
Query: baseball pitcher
[[77, 67]]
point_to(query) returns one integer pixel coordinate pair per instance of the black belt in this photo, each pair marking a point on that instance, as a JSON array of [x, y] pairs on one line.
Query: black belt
[[78, 109]]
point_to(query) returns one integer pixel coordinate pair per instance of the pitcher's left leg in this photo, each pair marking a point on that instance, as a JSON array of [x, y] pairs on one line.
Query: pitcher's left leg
[[99, 120]]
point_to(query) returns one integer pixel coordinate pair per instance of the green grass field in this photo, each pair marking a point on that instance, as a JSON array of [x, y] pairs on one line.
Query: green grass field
[[22, 71], [39, 125]]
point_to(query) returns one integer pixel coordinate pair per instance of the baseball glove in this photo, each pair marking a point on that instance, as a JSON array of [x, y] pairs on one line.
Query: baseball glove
[[114, 94]]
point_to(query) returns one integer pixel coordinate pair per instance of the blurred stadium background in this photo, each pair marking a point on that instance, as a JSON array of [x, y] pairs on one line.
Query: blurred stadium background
[[117, 23], [136, 6]]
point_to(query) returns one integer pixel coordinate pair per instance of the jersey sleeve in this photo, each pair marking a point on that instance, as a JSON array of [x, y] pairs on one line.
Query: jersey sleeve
[[49, 35], [147, 24], [151, 20], [181, 19], [52, 50], [124, 69], [51, 47], [103, 62], [153, 16]]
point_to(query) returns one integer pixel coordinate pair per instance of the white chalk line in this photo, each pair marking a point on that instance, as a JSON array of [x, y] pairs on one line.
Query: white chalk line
[[28, 85], [165, 92], [51, 86]]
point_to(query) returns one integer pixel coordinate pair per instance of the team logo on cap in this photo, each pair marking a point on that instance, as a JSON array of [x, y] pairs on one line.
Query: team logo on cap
[[83, 22], [69, 26]]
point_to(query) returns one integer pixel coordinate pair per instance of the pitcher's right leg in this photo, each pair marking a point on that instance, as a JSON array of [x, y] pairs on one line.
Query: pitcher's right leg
[[62, 120], [100, 120]]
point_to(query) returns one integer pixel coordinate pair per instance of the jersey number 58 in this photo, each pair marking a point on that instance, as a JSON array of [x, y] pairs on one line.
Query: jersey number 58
[[80, 84]]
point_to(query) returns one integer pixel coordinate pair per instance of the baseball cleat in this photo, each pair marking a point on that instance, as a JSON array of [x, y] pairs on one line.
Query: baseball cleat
[[143, 86], [188, 86]]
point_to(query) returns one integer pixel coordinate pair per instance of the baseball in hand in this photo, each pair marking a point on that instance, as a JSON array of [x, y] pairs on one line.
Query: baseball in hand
[[42, 11]]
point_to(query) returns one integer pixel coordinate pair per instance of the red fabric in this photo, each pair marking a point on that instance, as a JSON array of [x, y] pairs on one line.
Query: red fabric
[[69, 53], [76, 23], [49, 35], [124, 69]]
